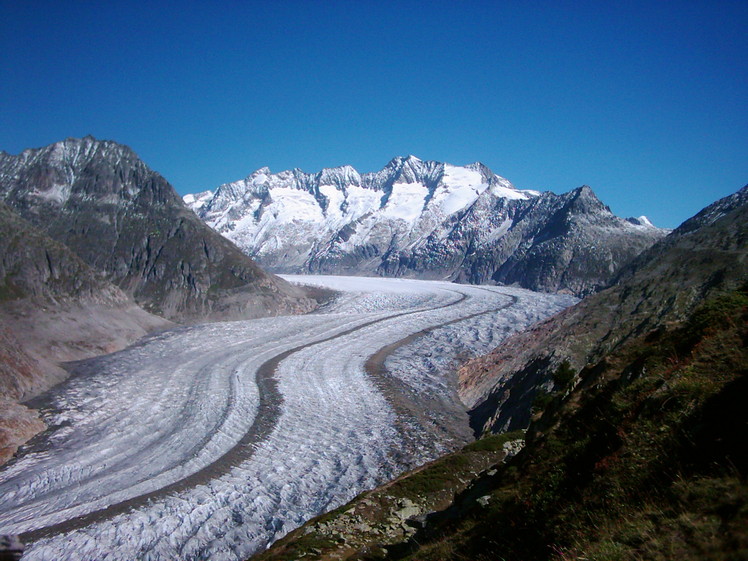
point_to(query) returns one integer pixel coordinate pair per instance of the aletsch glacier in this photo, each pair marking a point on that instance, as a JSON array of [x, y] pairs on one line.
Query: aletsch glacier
[[162, 411]]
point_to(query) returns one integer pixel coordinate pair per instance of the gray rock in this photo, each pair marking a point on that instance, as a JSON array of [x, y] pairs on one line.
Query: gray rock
[[125, 220]]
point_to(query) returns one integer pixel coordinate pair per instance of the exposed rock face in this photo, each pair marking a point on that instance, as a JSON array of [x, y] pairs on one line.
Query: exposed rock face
[[425, 219], [566, 242], [122, 218], [53, 308], [33, 265], [17, 425], [703, 256]]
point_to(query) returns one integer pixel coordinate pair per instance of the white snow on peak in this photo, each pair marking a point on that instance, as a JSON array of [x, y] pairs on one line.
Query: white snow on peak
[[641, 222], [405, 201], [345, 175], [645, 221], [285, 217], [198, 200], [361, 201], [293, 205], [264, 170], [459, 188], [56, 193]]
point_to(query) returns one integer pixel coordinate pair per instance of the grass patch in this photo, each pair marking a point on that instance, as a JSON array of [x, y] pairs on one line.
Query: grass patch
[[494, 442], [648, 462]]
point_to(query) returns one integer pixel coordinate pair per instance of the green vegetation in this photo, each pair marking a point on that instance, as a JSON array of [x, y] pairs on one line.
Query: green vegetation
[[645, 459], [494, 442], [9, 290], [542, 400], [432, 479], [564, 375], [563, 379], [641, 456]]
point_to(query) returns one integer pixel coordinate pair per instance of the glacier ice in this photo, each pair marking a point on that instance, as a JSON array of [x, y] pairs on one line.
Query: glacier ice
[[136, 423]]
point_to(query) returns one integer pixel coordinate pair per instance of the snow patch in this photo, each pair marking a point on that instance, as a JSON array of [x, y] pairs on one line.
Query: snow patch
[[405, 202], [58, 194]]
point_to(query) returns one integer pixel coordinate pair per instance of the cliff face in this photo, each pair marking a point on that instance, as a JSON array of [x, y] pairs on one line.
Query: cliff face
[[120, 217], [705, 255]]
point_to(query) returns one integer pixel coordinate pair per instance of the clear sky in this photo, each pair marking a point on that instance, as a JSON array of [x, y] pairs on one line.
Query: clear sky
[[647, 102]]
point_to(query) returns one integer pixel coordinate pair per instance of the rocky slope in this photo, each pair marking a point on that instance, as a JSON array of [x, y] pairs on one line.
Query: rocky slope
[[703, 256], [122, 218], [425, 219], [644, 459], [639, 453], [53, 308]]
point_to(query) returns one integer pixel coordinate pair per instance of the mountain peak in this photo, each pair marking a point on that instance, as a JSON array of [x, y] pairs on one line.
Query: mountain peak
[[400, 161], [264, 170], [640, 221], [123, 218], [339, 176], [428, 219], [585, 190]]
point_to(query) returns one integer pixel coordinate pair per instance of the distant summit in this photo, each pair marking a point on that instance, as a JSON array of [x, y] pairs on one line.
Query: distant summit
[[424, 219]]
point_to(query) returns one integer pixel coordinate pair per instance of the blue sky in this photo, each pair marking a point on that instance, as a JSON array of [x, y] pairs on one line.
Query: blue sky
[[645, 102]]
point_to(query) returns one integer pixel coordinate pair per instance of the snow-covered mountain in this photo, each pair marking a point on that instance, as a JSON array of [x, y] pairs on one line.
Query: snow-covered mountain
[[426, 219]]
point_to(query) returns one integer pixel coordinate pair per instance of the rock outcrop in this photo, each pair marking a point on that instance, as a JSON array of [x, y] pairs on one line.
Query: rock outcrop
[[125, 220]]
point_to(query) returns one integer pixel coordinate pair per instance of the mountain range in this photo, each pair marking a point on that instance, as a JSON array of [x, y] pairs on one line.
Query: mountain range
[[425, 219], [704, 256]]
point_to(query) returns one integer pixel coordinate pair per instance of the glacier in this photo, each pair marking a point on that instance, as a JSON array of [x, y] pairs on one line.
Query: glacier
[[212, 441]]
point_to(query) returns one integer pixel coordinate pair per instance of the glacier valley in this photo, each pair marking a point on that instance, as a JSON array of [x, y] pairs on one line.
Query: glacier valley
[[212, 441]]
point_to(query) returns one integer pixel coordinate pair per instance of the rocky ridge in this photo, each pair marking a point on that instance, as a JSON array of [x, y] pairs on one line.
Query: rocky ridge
[[120, 217], [425, 219], [703, 256]]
